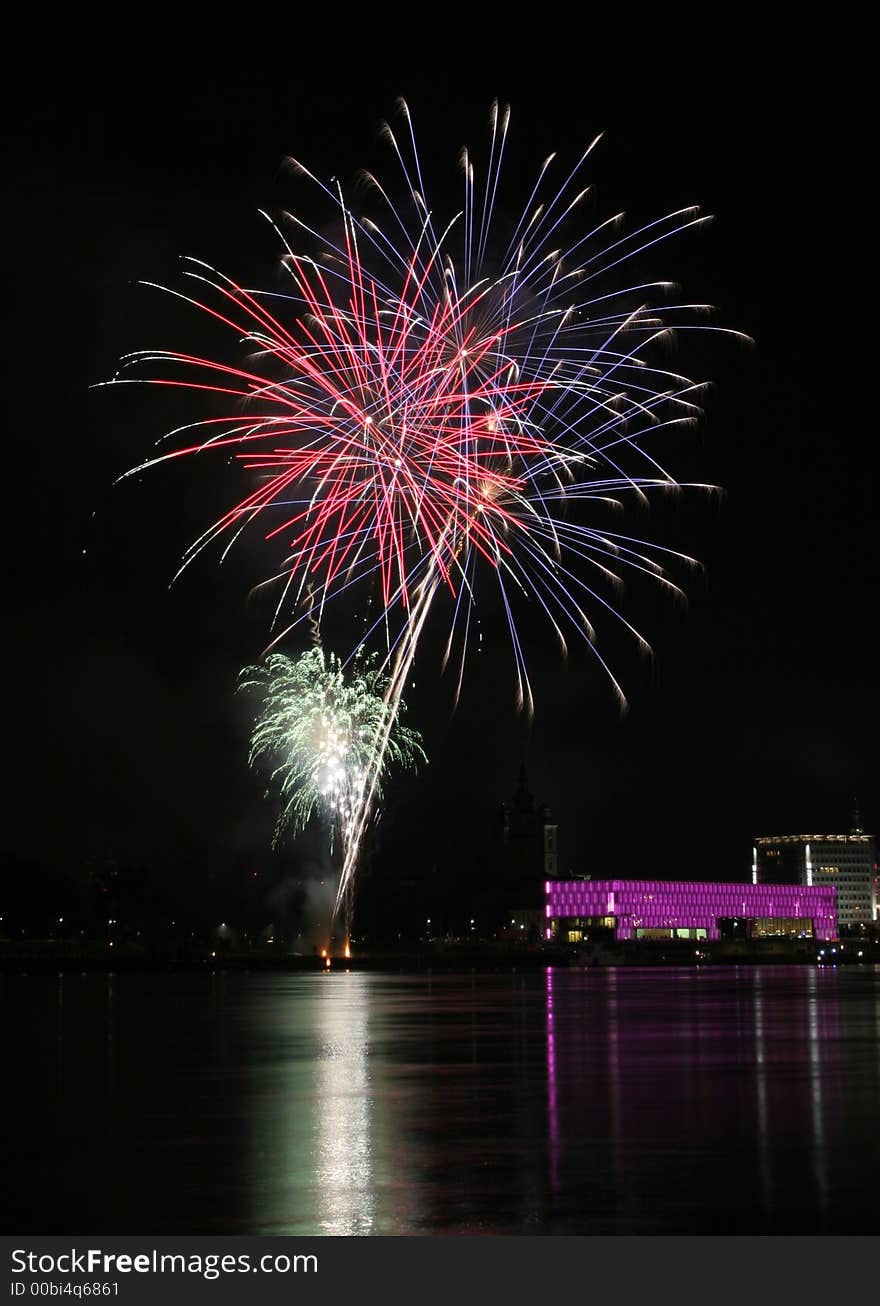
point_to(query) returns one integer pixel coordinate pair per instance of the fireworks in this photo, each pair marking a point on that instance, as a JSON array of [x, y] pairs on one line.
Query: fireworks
[[433, 402], [317, 728]]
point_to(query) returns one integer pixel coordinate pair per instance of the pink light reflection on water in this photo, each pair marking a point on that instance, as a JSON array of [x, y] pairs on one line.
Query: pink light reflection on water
[[552, 1106]]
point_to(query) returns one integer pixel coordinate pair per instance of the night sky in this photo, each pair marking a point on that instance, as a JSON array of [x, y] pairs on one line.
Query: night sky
[[132, 145]]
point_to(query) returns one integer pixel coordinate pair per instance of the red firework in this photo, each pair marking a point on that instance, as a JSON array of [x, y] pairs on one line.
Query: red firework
[[414, 414]]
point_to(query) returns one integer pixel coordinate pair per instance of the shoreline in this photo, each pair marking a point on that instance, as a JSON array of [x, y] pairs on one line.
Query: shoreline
[[49, 959]]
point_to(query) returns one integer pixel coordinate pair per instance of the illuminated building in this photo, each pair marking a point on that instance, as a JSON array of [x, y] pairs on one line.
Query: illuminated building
[[678, 909], [847, 861]]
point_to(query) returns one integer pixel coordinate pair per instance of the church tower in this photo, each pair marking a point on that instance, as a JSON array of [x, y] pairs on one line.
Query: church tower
[[551, 848], [528, 855]]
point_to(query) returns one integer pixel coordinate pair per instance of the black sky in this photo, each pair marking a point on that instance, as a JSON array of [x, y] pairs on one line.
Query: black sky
[[138, 138]]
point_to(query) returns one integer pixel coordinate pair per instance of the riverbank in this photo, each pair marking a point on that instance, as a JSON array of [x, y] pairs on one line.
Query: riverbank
[[43, 956]]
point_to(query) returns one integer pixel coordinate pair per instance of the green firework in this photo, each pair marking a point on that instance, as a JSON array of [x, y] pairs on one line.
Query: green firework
[[325, 732]]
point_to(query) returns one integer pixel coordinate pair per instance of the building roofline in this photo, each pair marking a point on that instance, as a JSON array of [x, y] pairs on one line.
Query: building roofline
[[813, 838]]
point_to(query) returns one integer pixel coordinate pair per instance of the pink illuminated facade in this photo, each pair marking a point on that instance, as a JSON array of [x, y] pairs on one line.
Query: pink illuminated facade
[[643, 908]]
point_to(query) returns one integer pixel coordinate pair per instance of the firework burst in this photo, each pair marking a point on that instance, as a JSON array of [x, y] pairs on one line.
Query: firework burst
[[316, 729], [433, 402]]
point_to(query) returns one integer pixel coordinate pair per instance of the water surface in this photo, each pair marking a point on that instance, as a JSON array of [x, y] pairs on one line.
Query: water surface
[[620, 1100]]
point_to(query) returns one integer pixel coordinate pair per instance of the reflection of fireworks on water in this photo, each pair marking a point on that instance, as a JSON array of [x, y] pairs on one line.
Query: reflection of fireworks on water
[[427, 405], [316, 728]]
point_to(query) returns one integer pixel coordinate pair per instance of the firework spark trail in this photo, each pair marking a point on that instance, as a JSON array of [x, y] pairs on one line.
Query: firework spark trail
[[421, 416], [402, 664]]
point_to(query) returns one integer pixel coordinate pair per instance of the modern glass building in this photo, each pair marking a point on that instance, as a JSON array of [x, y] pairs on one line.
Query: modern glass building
[[678, 909], [848, 861]]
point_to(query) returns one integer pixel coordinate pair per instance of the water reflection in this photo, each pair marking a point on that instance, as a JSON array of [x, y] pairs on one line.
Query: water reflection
[[552, 1104], [675, 1093], [312, 1104], [343, 1165], [761, 1093], [821, 1050], [561, 1101]]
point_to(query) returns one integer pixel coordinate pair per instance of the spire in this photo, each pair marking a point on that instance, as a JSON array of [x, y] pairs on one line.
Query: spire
[[855, 823], [522, 799]]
